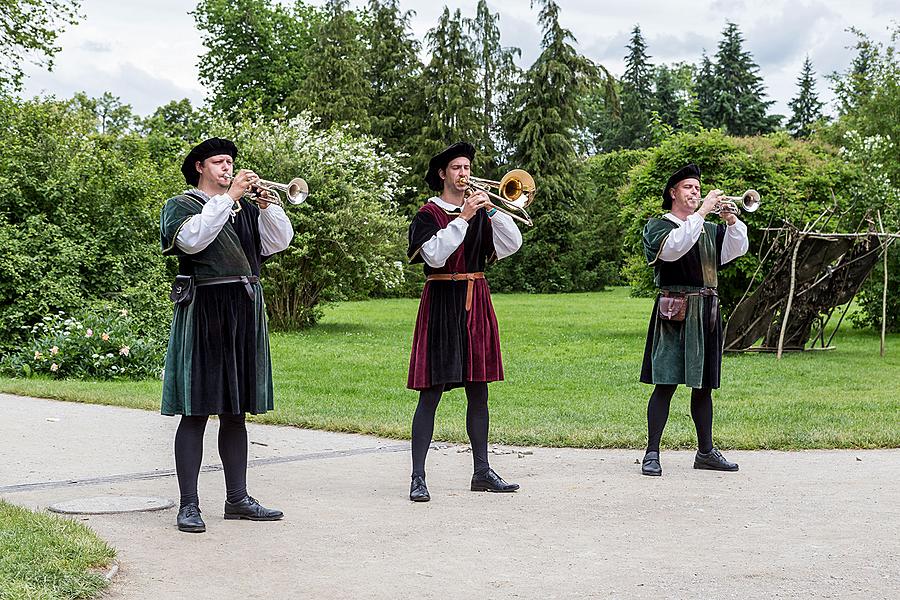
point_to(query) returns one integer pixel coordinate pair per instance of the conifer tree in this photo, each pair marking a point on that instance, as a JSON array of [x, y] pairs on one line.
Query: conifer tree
[[335, 88], [806, 107], [738, 93], [705, 90], [637, 94], [544, 120], [666, 102], [450, 93]]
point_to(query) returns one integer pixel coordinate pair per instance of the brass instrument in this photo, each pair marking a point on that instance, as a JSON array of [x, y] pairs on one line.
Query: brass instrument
[[516, 191], [748, 201], [296, 191]]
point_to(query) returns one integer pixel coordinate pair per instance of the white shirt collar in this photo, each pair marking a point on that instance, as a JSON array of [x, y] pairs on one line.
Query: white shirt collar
[[445, 205], [673, 218]]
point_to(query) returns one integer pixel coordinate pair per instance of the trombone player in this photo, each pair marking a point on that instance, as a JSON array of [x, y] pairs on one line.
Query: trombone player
[[217, 361], [456, 342], [684, 339]]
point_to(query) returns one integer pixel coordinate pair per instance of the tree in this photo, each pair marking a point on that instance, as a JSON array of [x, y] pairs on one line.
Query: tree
[[806, 107], [255, 53], [450, 93], [666, 101], [335, 87], [28, 32], [736, 91], [637, 94], [545, 117], [497, 76], [111, 116]]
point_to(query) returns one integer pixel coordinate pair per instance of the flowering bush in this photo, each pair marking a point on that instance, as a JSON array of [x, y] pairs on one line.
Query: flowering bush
[[102, 344]]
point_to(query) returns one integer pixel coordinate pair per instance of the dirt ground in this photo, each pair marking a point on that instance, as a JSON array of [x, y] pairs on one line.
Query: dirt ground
[[586, 524]]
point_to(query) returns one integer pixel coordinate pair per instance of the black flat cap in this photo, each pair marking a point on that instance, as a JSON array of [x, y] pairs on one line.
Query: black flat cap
[[202, 151], [440, 161], [690, 171]]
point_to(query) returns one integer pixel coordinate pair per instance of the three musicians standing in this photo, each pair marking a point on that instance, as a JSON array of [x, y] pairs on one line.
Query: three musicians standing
[[218, 363]]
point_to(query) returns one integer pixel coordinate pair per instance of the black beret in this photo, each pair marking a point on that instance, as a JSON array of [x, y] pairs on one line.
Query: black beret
[[440, 161], [690, 171], [202, 151]]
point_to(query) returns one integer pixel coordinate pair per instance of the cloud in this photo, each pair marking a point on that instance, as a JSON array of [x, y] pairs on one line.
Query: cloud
[[94, 46]]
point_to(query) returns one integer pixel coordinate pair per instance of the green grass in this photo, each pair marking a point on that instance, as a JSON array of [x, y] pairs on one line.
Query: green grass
[[43, 556], [572, 364]]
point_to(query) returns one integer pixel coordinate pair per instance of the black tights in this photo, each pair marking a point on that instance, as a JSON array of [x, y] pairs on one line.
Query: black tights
[[476, 425], [658, 414], [232, 451]]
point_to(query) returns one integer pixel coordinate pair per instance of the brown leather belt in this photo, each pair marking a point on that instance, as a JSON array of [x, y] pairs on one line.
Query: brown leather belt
[[469, 277]]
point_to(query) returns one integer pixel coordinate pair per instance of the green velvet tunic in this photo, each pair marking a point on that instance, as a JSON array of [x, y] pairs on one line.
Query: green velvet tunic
[[687, 352]]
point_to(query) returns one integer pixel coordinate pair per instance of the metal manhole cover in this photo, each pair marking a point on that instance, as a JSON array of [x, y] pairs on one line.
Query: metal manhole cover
[[110, 505]]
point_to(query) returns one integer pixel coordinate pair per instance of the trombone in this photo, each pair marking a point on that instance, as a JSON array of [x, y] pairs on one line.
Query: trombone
[[748, 201], [515, 192], [296, 191]]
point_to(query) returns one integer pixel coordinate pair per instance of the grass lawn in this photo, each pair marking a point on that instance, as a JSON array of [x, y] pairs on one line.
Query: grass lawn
[[572, 363], [45, 556]]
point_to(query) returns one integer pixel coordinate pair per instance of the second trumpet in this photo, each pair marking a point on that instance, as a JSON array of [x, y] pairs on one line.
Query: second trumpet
[[516, 191], [748, 202], [296, 190]]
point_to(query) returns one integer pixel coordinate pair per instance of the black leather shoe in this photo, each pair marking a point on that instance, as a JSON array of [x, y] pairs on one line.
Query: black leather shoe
[[713, 461], [650, 465], [189, 519], [417, 490], [250, 509], [491, 482]]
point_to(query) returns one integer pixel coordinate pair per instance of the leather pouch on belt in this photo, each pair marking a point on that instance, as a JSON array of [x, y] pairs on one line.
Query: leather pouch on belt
[[672, 307], [182, 289]]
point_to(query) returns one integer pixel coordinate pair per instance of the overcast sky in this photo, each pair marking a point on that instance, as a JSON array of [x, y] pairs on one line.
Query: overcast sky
[[146, 51]]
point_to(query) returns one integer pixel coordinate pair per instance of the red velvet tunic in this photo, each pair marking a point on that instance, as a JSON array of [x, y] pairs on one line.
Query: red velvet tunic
[[450, 345]]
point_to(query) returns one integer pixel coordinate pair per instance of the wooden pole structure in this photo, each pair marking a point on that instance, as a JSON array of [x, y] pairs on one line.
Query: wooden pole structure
[[790, 300], [884, 250]]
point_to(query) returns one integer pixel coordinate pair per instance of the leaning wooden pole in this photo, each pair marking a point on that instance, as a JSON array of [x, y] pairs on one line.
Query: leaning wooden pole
[[790, 300], [884, 251]]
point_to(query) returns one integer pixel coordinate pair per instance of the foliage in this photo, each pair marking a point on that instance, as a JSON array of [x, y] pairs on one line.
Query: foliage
[[78, 219], [256, 53], [48, 556], [868, 131], [106, 343], [348, 236], [733, 98], [805, 106], [545, 119], [110, 115], [335, 88], [29, 31], [797, 181], [637, 94]]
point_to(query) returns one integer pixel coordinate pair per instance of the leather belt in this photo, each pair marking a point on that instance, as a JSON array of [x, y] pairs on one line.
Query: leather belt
[[468, 277], [701, 292], [247, 280]]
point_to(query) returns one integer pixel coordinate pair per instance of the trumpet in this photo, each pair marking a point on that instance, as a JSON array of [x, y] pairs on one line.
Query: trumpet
[[516, 191], [748, 201], [296, 191]]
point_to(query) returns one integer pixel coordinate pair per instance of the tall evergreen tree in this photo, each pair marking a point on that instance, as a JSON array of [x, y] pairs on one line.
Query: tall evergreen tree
[[855, 87], [497, 76], [637, 94], [666, 101], [806, 107], [737, 90], [545, 118], [335, 87], [393, 72], [705, 88], [450, 92]]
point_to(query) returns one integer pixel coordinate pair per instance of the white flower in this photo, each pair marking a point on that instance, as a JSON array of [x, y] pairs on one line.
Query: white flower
[[123, 312], [54, 350], [104, 337], [38, 355], [54, 367], [124, 350], [89, 332]]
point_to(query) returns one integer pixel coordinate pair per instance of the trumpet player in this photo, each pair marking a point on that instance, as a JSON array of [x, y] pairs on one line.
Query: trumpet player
[[456, 342], [684, 339], [217, 362]]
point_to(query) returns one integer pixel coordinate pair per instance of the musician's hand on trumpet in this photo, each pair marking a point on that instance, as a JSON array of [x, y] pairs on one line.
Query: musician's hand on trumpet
[[473, 202], [709, 204], [241, 183]]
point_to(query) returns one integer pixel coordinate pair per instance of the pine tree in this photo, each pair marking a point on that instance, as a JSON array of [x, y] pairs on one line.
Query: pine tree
[[393, 72], [335, 87], [806, 107], [705, 88], [545, 118], [497, 76], [666, 102], [737, 91], [451, 98], [637, 94]]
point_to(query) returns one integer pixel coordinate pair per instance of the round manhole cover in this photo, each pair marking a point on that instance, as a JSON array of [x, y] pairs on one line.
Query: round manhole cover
[[109, 505]]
